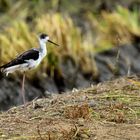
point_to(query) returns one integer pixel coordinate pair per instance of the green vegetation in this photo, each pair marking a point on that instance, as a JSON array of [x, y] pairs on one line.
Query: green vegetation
[[19, 29], [118, 27]]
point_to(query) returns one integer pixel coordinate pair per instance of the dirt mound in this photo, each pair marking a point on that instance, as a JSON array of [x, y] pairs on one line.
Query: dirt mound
[[107, 111], [71, 76]]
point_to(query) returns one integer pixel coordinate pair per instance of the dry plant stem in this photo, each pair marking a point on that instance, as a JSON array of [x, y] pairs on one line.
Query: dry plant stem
[[22, 89]]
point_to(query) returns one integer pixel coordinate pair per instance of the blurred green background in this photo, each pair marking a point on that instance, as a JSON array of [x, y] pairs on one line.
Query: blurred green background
[[83, 28]]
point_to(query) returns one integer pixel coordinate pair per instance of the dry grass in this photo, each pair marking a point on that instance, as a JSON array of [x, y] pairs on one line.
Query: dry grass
[[118, 27], [106, 111], [106, 31], [18, 37]]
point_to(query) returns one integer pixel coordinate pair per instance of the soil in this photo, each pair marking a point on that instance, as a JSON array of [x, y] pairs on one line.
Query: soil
[[107, 111]]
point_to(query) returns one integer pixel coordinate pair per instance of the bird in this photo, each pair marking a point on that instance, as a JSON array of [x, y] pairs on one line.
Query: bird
[[28, 60]]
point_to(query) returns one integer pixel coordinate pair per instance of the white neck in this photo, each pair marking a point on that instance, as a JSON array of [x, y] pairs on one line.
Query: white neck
[[43, 49]]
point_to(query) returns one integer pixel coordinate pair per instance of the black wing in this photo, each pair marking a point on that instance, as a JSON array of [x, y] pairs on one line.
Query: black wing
[[30, 54]]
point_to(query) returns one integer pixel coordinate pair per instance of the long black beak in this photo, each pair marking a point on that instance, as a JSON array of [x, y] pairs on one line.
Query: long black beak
[[53, 42]]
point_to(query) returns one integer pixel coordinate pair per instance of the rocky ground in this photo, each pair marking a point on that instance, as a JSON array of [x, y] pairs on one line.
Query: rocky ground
[[107, 111]]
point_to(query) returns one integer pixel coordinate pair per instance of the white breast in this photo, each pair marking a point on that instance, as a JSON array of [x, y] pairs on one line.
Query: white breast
[[34, 63]]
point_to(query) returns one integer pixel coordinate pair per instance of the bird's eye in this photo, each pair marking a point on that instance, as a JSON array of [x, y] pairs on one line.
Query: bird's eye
[[43, 36]]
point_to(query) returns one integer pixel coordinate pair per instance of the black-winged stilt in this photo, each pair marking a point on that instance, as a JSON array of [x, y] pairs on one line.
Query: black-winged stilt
[[28, 60]]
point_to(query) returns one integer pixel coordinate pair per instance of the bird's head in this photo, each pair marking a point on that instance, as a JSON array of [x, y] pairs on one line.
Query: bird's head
[[44, 38]]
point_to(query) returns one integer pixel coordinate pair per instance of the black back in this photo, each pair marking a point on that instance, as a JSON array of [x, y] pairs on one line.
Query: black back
[[30, 54]]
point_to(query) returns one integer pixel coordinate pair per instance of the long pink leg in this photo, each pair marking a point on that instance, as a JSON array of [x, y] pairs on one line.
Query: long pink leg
[[22, 89]]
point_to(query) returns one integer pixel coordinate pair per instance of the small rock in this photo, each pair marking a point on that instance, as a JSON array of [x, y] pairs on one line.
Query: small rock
[[92, 103], [84, 136]]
